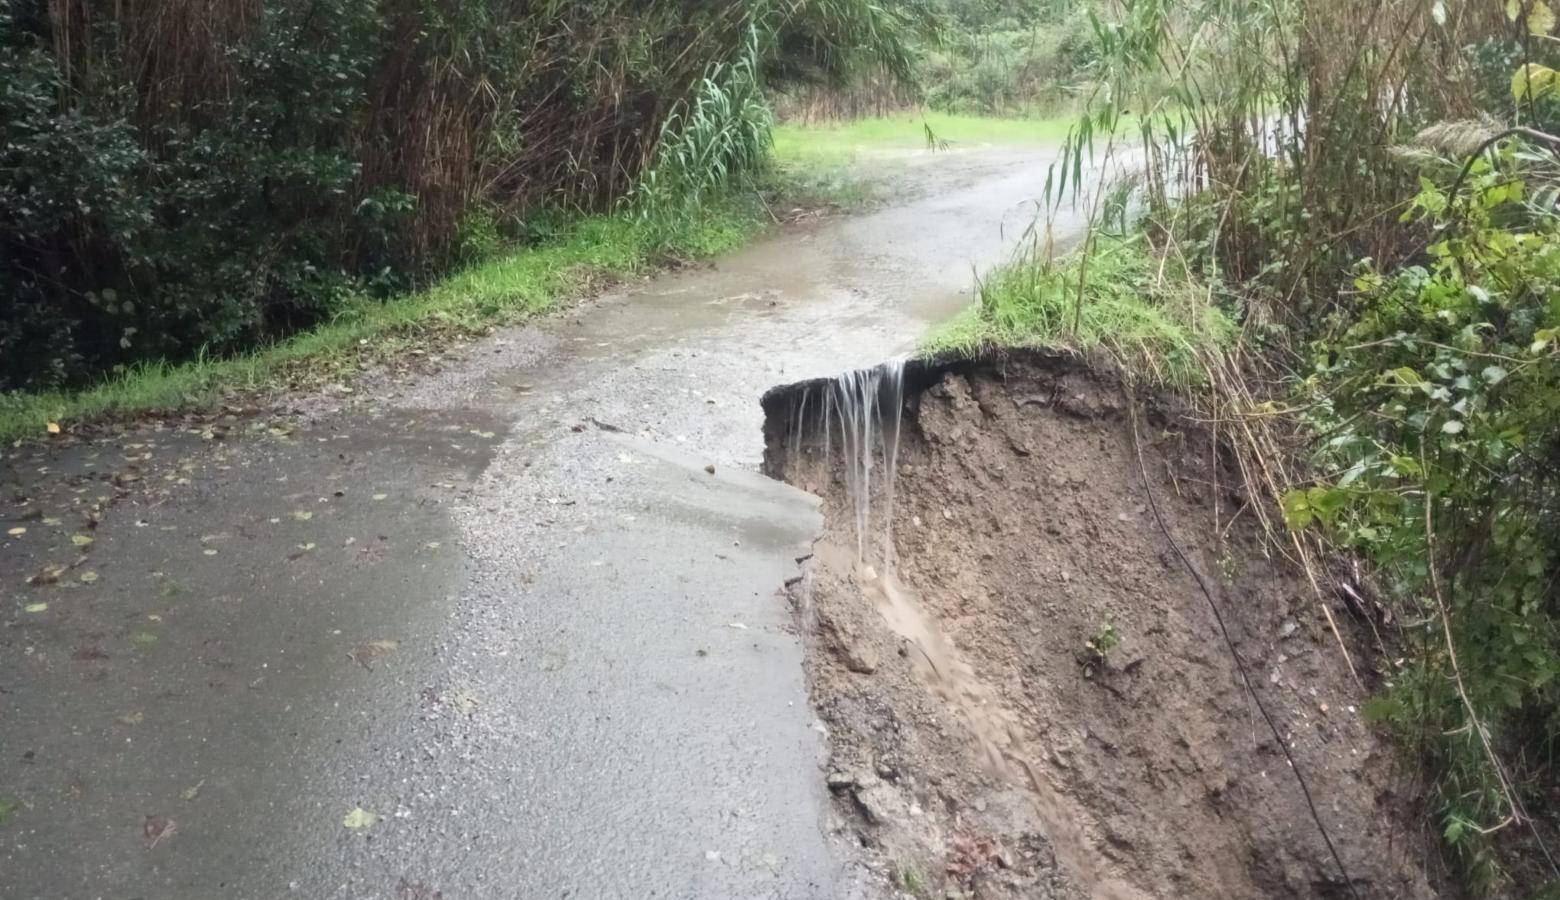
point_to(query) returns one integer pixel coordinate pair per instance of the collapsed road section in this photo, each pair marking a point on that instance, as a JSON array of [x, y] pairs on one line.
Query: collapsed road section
[[1026, 688]]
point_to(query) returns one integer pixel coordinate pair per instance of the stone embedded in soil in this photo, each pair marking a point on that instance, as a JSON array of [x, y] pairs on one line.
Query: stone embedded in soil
[[862, 658], [879, 803]]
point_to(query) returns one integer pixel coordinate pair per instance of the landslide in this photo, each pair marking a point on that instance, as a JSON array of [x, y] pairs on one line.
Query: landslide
[[1026, 691]]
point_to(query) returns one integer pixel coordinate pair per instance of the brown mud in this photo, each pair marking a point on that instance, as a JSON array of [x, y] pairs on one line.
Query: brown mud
[[1026, 692]]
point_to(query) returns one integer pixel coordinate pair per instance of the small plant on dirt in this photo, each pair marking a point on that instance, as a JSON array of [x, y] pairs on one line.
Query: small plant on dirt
[[1229, 566], [1097, 648], [910, 879], [6, 809]]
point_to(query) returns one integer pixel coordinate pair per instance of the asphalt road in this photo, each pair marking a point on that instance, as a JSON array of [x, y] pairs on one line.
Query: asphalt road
[[509, 629]]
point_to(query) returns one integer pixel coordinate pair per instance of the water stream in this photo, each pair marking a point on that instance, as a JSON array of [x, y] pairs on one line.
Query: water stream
[[866, 408]]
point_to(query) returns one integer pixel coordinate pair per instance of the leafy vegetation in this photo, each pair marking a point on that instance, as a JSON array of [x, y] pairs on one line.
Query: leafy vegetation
[[1007, 58], [365, 331], [181, 178], [1441, 403]]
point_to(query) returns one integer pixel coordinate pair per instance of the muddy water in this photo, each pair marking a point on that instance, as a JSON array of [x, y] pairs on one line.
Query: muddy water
[[521, 610]]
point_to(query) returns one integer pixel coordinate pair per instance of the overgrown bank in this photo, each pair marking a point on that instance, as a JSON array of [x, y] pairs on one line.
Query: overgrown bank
[[366, 331], [184, 178], [1377, 220]]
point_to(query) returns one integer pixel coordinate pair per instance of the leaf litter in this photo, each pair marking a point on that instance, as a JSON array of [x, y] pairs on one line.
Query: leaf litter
[[359, 818]]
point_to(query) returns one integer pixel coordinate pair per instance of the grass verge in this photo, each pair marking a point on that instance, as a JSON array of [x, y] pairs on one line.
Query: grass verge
[[368, 332], [1123, 298], [842, 142]]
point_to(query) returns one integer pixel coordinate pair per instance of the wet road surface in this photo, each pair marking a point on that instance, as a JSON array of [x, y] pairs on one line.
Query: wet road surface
[[509, 629]]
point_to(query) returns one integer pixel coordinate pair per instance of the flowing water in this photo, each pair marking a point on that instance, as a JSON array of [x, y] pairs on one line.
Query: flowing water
[[865, 407]]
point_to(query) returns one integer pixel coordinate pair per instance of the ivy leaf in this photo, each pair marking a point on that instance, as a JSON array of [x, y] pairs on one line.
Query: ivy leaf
[[1452, 426], [1494, 374], [1541, 19], [1407, 377], [1531, 80], [1297, 510], [1325, 503]]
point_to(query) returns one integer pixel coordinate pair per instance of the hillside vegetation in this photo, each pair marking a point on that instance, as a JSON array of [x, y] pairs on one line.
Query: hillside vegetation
[[188, 177]]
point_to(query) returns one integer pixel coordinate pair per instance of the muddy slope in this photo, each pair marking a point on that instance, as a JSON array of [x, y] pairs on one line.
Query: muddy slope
[[979, 745]]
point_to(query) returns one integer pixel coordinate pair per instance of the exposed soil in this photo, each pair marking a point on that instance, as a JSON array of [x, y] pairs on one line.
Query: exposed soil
[[981, 748]]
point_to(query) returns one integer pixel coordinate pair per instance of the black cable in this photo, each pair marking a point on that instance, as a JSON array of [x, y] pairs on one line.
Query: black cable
[[1137, 447]]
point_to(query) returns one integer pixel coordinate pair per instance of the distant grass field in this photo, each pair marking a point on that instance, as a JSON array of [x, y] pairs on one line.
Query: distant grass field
[[842, 142]]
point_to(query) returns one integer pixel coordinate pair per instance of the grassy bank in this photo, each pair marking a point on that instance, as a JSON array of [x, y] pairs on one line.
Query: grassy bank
[[1123, 299], [366, 332], [843, 142]]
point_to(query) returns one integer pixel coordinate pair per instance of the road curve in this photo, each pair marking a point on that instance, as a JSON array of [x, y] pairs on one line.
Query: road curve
[[505, 629]]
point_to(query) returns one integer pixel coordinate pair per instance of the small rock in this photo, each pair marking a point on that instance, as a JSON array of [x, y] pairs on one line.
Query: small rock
[[839, 781], [710, 469], [862, 658], [980, 804], [887, 772], [878, 803]]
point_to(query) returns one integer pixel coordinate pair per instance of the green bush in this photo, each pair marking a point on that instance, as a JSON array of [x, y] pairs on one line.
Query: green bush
[[1440, 406], [205, 182]]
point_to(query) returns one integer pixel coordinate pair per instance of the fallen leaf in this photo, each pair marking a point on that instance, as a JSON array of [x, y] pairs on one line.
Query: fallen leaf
[[302, 515], [465, 702], [553, 660], [16, 531], [80, 540], [190, 793], [359, 818], [209, 551], [144, 637], [37, 607], [88, 577], [158, 827], [51, 522], [306, 547], [132, 718], [737, 625], [433, 545], [380, 496], [54, 428]]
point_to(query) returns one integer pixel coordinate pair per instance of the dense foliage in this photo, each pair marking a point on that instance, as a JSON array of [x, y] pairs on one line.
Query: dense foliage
[[1013, 58], [182, 176], [1440, 400]]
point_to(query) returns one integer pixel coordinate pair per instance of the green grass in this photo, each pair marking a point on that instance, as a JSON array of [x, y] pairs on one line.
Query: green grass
[[844, 142], [6, 809], [1153, 318], [368, 332]]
